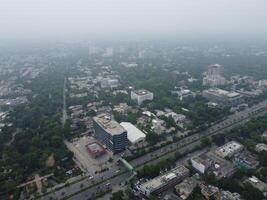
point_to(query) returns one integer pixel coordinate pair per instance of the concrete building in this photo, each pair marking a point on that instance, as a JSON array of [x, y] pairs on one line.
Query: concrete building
[[261, 147], [109, 83], [215, 70], [246, 160], [185, 188], [134, 135], [257, 183], [221, 167], [110, 132], [122, 108], [201, 163], [214, 76], [229, 149], [263, 83], [95, 149], [210, 192], [178, 118], [158, 126], [226, 195], [264, 136], [163, 182], [212, 163], [223, 97], [141, 95]]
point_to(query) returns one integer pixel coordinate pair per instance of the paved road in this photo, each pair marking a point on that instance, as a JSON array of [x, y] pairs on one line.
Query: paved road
[[102, 187], [183, 145], [195, 139]]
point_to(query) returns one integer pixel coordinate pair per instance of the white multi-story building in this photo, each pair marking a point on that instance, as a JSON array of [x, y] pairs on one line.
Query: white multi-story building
[[201, 163], [141, 95]]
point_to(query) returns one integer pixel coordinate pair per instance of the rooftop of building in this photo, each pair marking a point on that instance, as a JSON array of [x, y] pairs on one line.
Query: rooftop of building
[[141, 92], [111, 126], [95, 148], [209, 189], [261, 147], [257, 183], [215, 66], [203, 159], [164, 179], [133, 133], [220, 167], [248, 158], [227, 195], [229, 148], [220, 92], [186, 187]]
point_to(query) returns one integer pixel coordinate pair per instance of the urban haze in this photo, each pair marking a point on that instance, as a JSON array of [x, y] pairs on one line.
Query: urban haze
[[133, 100]]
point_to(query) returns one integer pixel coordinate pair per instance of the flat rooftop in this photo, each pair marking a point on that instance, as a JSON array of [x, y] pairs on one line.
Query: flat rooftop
[[133, 133], [221, 92], [164, 179], [141, 92], [109, 125], [229, 148], [203, 159]]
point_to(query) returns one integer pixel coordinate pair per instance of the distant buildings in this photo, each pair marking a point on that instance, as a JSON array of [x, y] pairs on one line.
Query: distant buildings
[[134, 135], [229, 149], [158, 126], [257, 183], [222, 97], [178, 118], [109, 83], [164, 182], [264, 136], [214, 76], [121, 108], [226, 195], [14, 102], [110, 132], [141, 95], [261, 147], [263, 83]]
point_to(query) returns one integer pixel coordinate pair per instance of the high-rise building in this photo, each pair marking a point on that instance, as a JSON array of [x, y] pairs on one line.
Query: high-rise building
[[214, 76], [215, 70], [110, 132]]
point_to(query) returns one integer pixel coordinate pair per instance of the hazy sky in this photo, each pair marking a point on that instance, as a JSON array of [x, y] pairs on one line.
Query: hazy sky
[[73, 18]]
